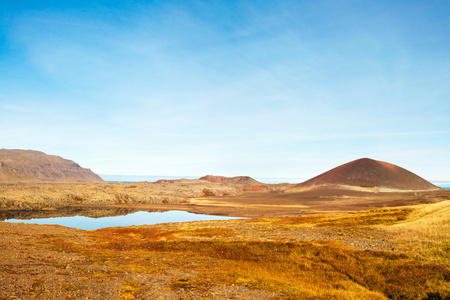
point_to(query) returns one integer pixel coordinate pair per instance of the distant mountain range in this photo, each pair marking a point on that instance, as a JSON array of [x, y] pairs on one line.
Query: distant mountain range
[[30, 165], [369, 173]]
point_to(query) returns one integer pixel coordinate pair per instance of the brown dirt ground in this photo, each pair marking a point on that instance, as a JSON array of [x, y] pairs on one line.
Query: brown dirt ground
[[269, 204], [30, 269]]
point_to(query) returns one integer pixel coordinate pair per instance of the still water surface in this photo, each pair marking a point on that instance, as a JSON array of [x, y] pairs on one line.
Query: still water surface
[[137, 218]]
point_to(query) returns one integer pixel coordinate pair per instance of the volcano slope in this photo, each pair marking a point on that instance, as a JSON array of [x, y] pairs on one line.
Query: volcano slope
[[361, 184], [372, 174]]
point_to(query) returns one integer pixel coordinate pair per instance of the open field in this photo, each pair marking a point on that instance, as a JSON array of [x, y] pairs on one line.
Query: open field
[[44, 195], [346, 246]]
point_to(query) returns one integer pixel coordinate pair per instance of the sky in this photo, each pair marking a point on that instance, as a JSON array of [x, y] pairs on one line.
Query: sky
[[274, 89]]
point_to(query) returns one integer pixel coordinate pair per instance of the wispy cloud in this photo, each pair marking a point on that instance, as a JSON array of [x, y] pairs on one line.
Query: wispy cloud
[[192, 86]]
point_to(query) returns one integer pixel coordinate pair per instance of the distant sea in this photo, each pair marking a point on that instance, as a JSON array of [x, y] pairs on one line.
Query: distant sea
[[125, 181], [441, 183]]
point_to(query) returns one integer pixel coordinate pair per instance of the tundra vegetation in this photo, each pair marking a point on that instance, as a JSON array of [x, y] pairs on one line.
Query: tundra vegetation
[[36, 195], [397, 253]]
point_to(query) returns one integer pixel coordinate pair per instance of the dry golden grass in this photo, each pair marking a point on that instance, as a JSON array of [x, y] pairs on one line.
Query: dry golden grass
[[34, 195], [217, 255], [296, 270], [53, 195], [427, 231], [382, 216], [421, 229]]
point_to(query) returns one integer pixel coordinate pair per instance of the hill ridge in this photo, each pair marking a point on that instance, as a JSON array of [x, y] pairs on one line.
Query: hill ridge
[[32, 165], [369, 173], [238, 180]]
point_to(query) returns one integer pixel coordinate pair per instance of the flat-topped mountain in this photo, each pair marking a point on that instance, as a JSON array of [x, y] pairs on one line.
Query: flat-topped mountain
[[369, 173], [238, 180], [30, 165]]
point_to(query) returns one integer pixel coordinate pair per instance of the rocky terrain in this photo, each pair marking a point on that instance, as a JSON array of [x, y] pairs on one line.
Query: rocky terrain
[[45, 195], [38, 271], [30, 165], [239, 180], [372, 174], [218, 180], [389, 253]]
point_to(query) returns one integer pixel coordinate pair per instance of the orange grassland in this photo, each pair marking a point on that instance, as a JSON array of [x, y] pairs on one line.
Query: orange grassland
[[213, 254]]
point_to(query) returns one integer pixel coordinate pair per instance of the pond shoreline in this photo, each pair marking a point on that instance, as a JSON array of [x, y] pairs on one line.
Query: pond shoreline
[[131, 218]]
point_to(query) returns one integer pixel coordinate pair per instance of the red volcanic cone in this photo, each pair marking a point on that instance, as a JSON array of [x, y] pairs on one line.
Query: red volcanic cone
[[369, 173]]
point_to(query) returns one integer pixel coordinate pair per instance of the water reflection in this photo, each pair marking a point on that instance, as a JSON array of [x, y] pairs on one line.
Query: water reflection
[[134, 218], [91, 212]]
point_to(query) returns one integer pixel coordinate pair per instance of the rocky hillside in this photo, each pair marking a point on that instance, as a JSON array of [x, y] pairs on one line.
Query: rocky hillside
[[369, 173], [238, 180], [29, 165]]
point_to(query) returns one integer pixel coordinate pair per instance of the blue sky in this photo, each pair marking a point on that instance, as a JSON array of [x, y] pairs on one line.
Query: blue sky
[[258, 88]]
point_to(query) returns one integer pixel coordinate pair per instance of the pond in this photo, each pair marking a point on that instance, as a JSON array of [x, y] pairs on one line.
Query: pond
[[135, 218]]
